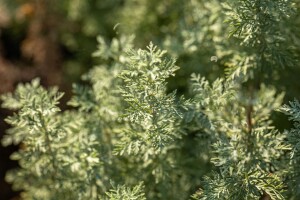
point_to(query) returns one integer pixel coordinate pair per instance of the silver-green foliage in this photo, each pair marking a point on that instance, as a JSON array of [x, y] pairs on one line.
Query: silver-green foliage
[[293, 137], [248, 151], [259, 27], [144, 91], [250, 154], [126, 128], [57, 154], [124, 193]]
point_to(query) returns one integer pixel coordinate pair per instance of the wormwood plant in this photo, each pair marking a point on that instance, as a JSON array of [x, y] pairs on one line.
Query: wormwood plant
[[127, 137], [292, 110], [127, 129], [260, 172]]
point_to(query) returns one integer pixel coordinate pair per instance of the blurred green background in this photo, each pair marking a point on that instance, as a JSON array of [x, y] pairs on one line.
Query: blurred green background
[[54, 40]]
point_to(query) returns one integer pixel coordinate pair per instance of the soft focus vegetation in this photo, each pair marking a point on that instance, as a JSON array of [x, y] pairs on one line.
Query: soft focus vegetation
[[174, 99]]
